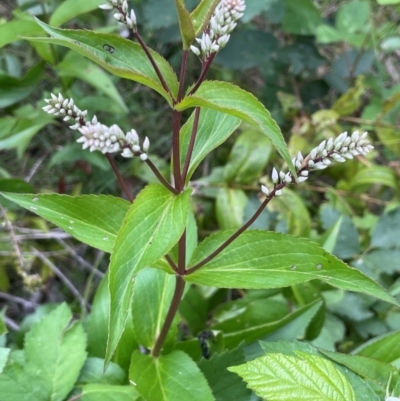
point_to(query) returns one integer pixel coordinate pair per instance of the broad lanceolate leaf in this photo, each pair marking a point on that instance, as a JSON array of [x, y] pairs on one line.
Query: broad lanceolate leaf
[[171, 377], [153, 291], [229, 206], [107, 392], [152, 226], [202, 13], [93, 219], [230, 99], [261, 259], [214, 128], [252, 325], [385, 348], [303, 377], [54, 356], [185, 24], [366, 367], [117, 55]]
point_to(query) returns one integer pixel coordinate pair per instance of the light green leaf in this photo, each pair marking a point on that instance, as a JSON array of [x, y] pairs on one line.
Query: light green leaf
[[128, 60], [92, 219], [74, 65], [4, 352], [54, 355], [373, 175], [69, 9], [171, 377], [386, 2], [366, 367], [152, 226], [107, 392], [352, 16], [202, 13], [153, 291], [305, 377], [230, 204], [260, 259], [230, 99], [385, 348], [214, 128], [185, 24]]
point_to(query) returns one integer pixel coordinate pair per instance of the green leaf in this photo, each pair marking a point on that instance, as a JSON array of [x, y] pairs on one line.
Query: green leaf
[[353, 16], [4, 352], [248, 158], [185, 24], [301, 17], [93, 219], [201, 15], [266, 317], [373, 175], [152, 226], [96, 327], [93, 372], [387, 231], [106, 392], [214, 128], [69, 9], [224, 384], [13, 90], [178, 378], [54, 356], [230, 204], [153, 291], [230, 99], [386, 2], [260, 259], [55, 352], [305, 377], [385, 348], [74, 65], [366, 367], [128, 60]]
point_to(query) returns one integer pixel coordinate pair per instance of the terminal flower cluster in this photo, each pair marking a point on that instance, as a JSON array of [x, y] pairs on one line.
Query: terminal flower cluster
[[222, 23], [97, 136], [121, 12], [340, 149]]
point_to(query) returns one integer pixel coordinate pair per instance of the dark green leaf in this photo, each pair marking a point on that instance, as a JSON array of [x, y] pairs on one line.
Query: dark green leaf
[[93, 372], [387, 231], [301, 17], [12, 89]]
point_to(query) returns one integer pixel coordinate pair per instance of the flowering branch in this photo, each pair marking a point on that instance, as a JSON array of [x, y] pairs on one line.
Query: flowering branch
[[339, 149], [97, 136]]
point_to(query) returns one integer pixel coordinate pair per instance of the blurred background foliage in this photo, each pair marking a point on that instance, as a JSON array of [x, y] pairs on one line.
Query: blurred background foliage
[[320, 67]]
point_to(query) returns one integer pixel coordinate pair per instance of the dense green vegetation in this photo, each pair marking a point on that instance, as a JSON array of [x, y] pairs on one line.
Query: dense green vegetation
[[321, 68]]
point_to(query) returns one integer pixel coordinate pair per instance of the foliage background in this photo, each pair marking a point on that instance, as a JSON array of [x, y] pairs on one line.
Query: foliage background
[[320, 67]]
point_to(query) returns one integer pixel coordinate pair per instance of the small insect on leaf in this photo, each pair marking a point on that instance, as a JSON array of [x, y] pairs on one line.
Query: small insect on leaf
[[108, 48]]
